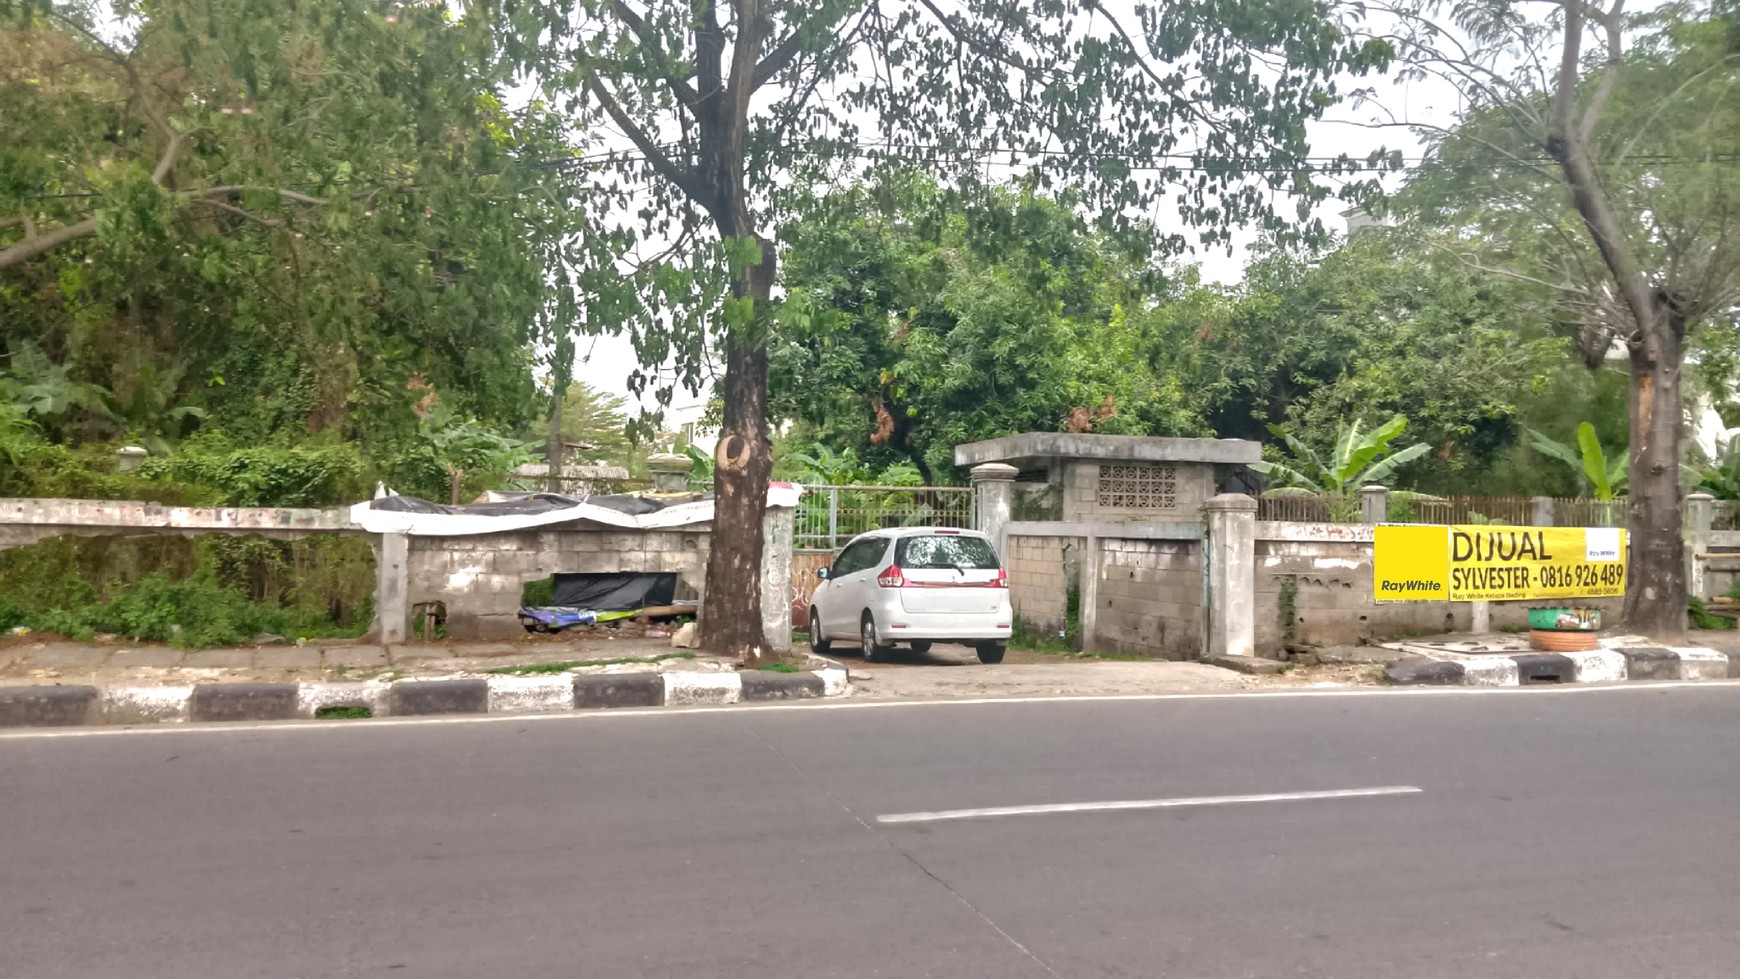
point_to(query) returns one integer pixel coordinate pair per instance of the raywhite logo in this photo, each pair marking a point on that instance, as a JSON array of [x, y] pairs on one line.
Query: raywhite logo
[[1602, 543]]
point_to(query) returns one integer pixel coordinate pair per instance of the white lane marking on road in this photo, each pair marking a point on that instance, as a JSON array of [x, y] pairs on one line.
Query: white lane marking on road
[[383, 723], [1126, 804]]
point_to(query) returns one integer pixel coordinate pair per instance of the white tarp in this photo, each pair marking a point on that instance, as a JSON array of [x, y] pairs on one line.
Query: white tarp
[[779, 495]]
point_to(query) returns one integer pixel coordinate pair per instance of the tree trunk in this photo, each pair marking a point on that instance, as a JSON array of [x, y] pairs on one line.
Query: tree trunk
[[731, 611], [1655, 592]]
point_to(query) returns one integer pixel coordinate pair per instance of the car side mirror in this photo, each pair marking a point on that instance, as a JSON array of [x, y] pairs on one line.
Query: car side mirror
[[822, 574]]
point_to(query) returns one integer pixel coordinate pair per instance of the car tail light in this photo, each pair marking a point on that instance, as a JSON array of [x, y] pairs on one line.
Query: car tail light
[[891, 577], [1001, 581]]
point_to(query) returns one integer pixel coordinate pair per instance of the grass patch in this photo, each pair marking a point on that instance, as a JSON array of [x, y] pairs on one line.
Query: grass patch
[[540, 669], [779, 668], [343, 713]]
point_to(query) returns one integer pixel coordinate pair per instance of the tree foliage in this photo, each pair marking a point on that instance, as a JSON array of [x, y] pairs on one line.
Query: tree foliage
[[276, 219], [1358, 457]]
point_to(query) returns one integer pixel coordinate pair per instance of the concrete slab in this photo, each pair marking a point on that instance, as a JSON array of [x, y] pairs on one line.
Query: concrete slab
[[218, 659], [355, 657], [150, 657], [287, 658], [68, 656], [417, 655], [1254, 665]]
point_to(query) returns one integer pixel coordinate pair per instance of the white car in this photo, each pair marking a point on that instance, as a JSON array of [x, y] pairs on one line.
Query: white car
[[913, 586]]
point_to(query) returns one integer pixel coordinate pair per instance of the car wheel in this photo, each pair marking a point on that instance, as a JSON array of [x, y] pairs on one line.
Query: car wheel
[[874, 649], [921, 646], [819, 643], [991, 652]]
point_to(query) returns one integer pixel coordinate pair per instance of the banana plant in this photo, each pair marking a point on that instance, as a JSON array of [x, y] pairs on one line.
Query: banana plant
[[1720, 478], [1359, 458], [1603, 479]]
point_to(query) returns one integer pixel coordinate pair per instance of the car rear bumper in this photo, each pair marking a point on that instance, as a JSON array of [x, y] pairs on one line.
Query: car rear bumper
[[953, 627]]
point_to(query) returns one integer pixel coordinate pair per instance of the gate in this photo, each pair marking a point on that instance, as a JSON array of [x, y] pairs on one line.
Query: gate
[[829, 516]]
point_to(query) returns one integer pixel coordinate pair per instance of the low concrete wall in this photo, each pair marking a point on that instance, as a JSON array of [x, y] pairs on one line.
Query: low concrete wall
[[1149, 599], [480, 578], [1325, 572], [1041, 572], [27, 521]]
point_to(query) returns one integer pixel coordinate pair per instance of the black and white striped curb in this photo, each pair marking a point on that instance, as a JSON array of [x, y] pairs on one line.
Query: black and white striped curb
[[1513, 669], [73, 704]]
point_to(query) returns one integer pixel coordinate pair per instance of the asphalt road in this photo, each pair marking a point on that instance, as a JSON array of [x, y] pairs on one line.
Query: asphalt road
[[1586, 834]]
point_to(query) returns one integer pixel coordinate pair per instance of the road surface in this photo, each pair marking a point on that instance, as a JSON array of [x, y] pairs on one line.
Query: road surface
[[1586, 833]]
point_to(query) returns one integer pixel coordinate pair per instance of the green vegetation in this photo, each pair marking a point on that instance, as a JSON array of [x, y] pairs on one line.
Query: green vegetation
[[218, 591], [343, 713], [780, 668]]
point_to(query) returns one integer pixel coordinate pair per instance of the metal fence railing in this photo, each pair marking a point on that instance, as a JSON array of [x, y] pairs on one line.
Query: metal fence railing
[[1725, 515], [1309, 508], [829, 516], [1423, 509]]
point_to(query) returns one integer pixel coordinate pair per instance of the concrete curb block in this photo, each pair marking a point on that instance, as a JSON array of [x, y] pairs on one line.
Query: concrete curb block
[[48, 706], [242, 702], [1593, 666], [70, 705]]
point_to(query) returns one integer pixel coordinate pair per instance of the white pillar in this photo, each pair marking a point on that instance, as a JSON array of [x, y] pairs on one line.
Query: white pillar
[[994, 496], [1232, 575], [1700, 515], [1374, 504], [776, 546]]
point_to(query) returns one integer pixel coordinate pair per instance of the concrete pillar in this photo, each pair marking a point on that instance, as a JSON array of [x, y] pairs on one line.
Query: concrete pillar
[[670, 471], [1700, 514], [1088, 592], [392, 588], [776, 547], [1231, 561], [1541, 511], [994, 498], [1374, 504]]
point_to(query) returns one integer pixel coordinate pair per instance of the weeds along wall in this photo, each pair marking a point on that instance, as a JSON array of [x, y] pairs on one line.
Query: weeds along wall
[[195, 591]]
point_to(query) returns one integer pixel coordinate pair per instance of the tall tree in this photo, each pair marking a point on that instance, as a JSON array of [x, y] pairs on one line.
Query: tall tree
[[914, 322], [1597, 158], [735, 109], [304, 217]]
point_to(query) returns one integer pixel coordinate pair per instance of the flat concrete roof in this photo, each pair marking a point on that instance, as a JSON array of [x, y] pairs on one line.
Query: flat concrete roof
[[1033, 448]]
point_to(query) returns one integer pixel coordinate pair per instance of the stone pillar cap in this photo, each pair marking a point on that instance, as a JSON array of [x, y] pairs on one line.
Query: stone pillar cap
[[994, 471], [669, 462], [1232, 501]]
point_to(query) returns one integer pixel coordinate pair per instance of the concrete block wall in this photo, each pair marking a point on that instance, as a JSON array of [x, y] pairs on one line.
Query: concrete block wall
[[1041, 571], [1333, 603], [1149, 599], [480, 578], [1193, 484]]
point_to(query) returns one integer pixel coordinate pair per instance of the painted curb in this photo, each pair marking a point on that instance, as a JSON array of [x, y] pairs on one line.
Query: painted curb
[[1640, 663], [44, 705]]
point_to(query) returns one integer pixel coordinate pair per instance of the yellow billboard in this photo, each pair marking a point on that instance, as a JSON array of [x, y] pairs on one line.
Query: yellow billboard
[[1481, 563]]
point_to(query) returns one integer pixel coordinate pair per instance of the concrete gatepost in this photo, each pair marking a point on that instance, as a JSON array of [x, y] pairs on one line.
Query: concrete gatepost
[[1700, 516], [1374, 504], [777, 528], [994, 498], [1232, 575], [670, 471], [392, 592], [1541, 511]]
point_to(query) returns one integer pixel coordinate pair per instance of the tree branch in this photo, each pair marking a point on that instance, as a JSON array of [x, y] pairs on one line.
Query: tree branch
[[29, 248], [680, 178], [679, 87], [1609, 71]]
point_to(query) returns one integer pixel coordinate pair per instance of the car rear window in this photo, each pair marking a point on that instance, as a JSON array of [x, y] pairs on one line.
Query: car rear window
[[939, 551]]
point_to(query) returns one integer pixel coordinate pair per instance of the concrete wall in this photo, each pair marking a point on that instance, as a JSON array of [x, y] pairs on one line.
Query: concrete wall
[[480, 577], [1041, 572], [1193, 484], [1149, 599], [1328, 569]]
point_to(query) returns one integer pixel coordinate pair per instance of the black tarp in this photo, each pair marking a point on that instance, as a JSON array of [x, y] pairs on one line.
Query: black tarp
[[615, 592]]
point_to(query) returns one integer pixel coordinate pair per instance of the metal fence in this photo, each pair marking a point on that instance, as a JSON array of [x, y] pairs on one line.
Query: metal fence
[[1411, 508], [828, 516]]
